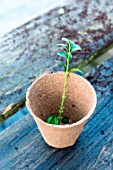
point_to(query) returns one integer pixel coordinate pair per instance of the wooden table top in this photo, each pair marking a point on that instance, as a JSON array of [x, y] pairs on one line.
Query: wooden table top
[[28, 52]]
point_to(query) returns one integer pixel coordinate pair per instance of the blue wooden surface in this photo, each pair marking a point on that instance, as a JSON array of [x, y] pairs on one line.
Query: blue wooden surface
[[22, 146], [8, 122]]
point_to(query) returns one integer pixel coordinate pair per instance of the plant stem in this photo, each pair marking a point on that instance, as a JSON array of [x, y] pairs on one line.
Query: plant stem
[[65, 84]]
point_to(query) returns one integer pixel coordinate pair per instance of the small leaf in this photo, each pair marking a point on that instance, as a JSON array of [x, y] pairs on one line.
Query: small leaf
[[50, 119], [70, 57], [74, 47], [56, 120], [76, 70], [65, 120], [66, 40], [63, 64], [62, 54], [77, 48], [63, 45]]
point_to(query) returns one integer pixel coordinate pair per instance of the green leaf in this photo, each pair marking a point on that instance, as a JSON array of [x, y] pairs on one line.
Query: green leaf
[[63, 45], [66, 40], [70, 57], [62, 54], [63, 64], [74, 47], [76, 70], [56, 120], [50, 119], [65, 120]]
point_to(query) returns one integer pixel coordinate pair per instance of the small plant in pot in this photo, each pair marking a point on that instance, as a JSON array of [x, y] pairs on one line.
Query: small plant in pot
[[61, 102], [69, 48]]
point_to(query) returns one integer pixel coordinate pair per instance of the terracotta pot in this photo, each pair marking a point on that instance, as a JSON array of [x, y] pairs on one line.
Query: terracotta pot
[[44, 99]]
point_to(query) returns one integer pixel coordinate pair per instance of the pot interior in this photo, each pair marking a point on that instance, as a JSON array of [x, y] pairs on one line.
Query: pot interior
[[44, 96]]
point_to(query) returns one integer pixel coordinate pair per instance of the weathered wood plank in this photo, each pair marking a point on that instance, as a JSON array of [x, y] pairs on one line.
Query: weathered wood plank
[[28, 50], [22, 146], [13, 109]]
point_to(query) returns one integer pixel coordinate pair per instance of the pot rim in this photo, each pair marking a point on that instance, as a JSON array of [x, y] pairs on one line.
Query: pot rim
[[84, 119]]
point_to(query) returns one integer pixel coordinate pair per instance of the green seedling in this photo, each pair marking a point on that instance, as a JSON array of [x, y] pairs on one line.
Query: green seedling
[[68, 49]]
